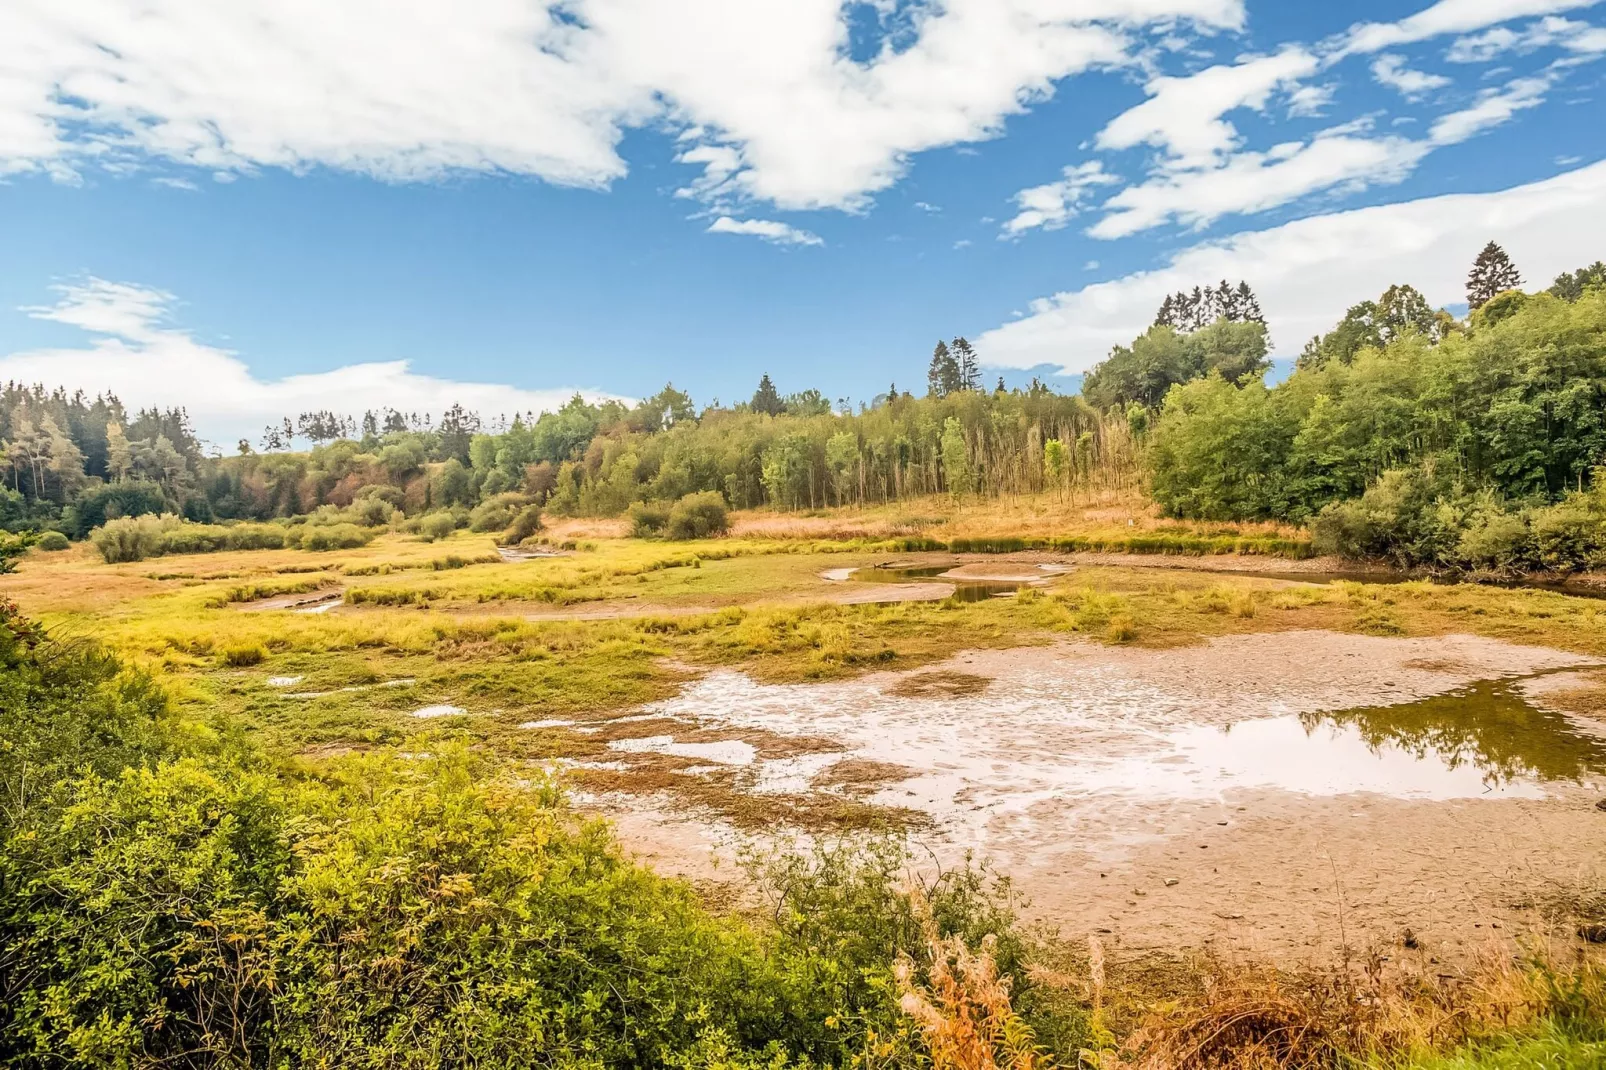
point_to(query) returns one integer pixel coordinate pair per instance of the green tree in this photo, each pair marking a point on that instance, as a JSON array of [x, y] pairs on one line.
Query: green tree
[[786, 471], [956, 468], [766, 399], [1492, 273], [968, 369], [943, 376], [842, 460], [1570, 286], [1055, 459], [119, 457]]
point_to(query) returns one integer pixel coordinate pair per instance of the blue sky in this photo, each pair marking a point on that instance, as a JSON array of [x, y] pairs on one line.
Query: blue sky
[[266, 207]]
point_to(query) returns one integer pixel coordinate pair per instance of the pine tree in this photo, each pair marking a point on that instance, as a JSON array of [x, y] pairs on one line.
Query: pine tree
[[943, 378], [766, 399], [1167, 316], [1187, 312], [1492, 273], [969, 370]]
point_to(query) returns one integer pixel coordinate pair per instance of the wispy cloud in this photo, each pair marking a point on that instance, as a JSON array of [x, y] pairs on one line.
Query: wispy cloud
[[769, 229], [1576, 37], [1390, 70], [1052, 205], [1446, 17]]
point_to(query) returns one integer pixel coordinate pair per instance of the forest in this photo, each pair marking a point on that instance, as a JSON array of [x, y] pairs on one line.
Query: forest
[[1403, 433]]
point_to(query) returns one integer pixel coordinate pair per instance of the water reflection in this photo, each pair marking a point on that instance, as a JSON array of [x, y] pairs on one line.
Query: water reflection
[[1488, 726], [965, 590]]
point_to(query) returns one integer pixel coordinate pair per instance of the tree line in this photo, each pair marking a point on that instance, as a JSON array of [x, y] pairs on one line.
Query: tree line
[[1507, 399], [1406, 432]]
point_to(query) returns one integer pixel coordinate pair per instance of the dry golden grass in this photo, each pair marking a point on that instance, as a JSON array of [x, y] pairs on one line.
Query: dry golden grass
[[941, 517], [963, 1008], [1253, 1017]]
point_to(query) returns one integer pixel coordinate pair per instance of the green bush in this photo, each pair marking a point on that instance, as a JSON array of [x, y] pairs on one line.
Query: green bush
[[163, 904], [496, 513], [53, 541], [648, 519], [525, 524], [437, 526], [698, 516], [335, 537], [1414, 520], [136, 538], [131, 538]]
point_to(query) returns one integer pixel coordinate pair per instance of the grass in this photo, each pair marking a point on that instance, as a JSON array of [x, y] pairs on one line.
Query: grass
[[454, 624], [492, 638]]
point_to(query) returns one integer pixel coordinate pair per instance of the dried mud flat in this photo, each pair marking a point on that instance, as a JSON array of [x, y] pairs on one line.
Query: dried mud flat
[[1226, 794]]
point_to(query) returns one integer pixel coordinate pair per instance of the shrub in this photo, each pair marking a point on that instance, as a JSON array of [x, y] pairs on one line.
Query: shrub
[[496, 513], [648, 519], [437, 526], [698, 516], [131, 538], [335, 537], [372, 512], [525, 524], [53, 541]]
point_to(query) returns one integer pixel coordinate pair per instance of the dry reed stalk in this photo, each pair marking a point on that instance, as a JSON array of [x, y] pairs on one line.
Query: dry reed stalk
[[964, 1010]]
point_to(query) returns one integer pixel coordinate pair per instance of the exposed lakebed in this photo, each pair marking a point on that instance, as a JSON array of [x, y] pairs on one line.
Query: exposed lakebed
[[1075, 764]]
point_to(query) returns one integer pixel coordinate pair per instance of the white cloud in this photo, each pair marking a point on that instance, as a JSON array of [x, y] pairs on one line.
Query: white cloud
[[1447, 16], [768, 229], [1307, 272], [1184, 116], [1390, 70], [1493, 107], [1309, 101], [1053, 205], [1577, 37], [135, 354], [1257, 181], [541, 87]]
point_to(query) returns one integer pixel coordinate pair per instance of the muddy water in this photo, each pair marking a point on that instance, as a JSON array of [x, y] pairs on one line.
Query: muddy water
[[1280, 762]]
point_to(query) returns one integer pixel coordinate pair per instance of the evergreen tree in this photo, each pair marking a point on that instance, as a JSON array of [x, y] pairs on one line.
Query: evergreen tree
[[766, 399], [942, 378], [969, 370], [1187, 312], [1492, 273]]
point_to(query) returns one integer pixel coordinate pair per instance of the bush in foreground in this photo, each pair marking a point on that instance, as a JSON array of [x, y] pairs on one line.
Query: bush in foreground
[[165, 900]]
